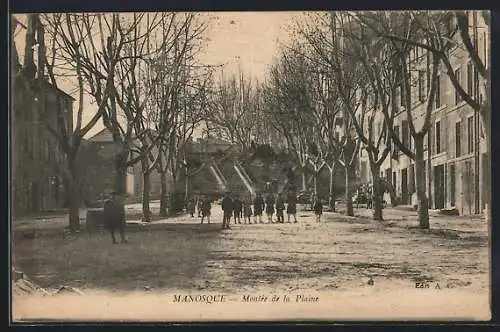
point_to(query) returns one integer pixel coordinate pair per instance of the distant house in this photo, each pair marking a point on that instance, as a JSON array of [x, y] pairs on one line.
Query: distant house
[[38, 163], [103, 148], [137, 180]]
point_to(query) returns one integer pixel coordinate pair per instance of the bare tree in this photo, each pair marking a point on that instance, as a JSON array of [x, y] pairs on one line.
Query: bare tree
[[289, 102], [407, 24], [233, 115], [450, 31], [72, 53], [364, 90]]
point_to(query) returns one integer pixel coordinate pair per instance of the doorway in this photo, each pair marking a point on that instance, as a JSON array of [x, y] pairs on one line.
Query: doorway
[[34, 197], [404, 186], [439, 187], [453, 182]]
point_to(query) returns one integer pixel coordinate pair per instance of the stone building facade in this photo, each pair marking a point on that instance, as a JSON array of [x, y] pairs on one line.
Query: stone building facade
[[456, 156], [38, 163]]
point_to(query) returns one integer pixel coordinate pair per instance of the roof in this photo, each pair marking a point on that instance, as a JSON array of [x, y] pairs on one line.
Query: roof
[[52, 87], [104, 136]]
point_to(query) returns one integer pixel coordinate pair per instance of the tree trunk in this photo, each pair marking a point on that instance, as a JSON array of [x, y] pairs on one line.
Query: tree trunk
[[146, 211], [120, 183], [486, 122], [429, 168], [163, 195], [331, 195], [315, 182], [349, 210], [186, 188], [72, 192], [377, 192], [304, 179], [423, 203]]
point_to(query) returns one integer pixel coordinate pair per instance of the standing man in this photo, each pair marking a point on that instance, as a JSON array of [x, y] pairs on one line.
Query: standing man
[[237, 209], [292, 206], [227, 208], [318, 208], [206, 209], [270, 208], [114, 217], [200, 204], [258, 207], [191, 206], [280, 206], [247, 210]]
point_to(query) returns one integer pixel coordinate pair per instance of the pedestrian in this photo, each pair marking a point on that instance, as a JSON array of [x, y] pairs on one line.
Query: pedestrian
[[114, 217], [191, 207], [270, 208], [247, 210], [206, 209], [318, 208], [312, 200], [369, 197], [237, 209], [200, 205], [258, 207], [291, 208], [227, 208], [280, 206]]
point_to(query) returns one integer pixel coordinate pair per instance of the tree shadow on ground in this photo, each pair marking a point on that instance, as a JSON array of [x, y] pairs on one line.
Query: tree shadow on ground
[[171, 257]]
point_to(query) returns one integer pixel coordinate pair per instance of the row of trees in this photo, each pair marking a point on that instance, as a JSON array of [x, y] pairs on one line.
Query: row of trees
[[338, 86], [335, 90], [141, 72]]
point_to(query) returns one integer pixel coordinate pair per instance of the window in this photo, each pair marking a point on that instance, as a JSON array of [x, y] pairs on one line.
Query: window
[[458, 75], [364, 171], [457, 139], [396, 133], [405, 133], [437, 134], [470, 134], [470, 79], [421, 85], [402, 94], [438, 91]]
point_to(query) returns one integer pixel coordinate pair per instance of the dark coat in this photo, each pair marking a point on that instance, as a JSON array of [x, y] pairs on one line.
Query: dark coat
[[227, 205], [280, 204], [318, 207], [258, 205], [270, 205], [237, 205], [292, 204], [114, 215], [206, 208], [247, 209]]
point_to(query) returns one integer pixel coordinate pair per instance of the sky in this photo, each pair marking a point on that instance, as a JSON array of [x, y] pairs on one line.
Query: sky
[[246, 40]]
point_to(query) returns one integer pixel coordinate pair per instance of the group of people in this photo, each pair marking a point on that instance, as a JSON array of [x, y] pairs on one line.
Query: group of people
[[238, 209], [234, 207]]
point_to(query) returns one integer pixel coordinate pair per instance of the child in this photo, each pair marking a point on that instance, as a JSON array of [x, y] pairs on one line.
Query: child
[[292, 206], [206, 210], [270, 208], [280, 206], [237, 208], [258, 206], [191, 207], [247, 211], [318, 209], [200, 206]]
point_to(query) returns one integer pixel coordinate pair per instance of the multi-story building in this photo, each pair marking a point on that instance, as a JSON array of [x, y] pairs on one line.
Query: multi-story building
[[38, 162], [455, 151], [100, 169]]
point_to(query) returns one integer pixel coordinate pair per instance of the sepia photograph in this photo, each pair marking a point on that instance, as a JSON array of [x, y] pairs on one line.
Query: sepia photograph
[[250, 166]]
